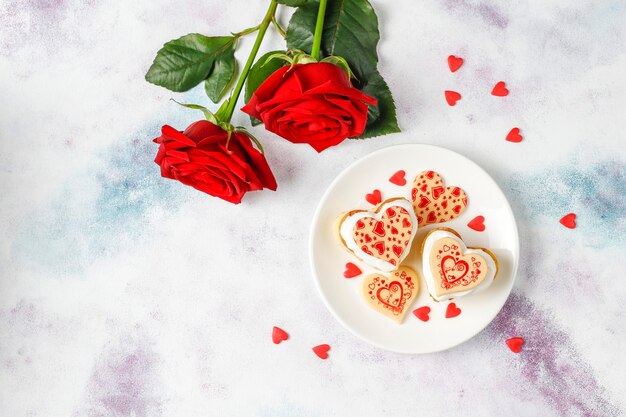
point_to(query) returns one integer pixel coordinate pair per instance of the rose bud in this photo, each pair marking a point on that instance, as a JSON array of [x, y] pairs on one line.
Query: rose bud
[[203, 158]]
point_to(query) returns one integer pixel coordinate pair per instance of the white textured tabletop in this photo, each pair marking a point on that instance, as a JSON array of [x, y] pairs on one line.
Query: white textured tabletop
[[126, 294]]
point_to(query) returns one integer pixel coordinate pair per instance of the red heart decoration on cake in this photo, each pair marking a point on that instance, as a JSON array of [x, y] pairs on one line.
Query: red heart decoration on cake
[[454, 63], [322, 351], [515, 344], [477, 223], [278, 335], [422, 313], [432, 202], [514, 135], [569, 221], [391, 294], [453, 270], [374, 197], [452, 97], [351, 270], [452, 311], [398, 178], [500, 89]]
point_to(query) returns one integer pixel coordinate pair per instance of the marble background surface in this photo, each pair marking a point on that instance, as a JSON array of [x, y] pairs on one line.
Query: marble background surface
[[125, 294]]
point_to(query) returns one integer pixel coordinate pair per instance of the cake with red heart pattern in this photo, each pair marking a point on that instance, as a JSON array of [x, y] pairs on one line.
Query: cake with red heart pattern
[[451, 269], [392, 295], [434, 203], [381, 238]]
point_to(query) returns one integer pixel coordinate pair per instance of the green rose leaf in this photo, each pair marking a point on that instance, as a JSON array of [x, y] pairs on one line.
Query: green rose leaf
[[262, 68], [381, 119], [293, 3], [222, 76], [350, 31], [184, 62]]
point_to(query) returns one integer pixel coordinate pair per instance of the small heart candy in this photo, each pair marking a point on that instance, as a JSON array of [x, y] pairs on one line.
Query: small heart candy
[[322, 351], [477, 223], [452, 97], [452, 311], [374, 197], [422, 313], [398, 178], [278, 335], [515, 344], [500, 89], [351, 270], [514, 135], [454, 63], [569, 221]]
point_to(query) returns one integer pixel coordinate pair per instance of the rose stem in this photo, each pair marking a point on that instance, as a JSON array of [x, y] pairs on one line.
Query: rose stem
[[319, 29], [232, 101]]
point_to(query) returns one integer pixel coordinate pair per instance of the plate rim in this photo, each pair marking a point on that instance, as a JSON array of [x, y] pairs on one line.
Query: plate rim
[[325, 197]]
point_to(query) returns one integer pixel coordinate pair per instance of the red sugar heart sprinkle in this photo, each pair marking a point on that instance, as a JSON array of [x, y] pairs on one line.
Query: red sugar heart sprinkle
[[278, 335], [452, 97], [322, 351], [515, 344], [569, 221], [374, 197], [422, 313], [398, 178], [351, 270], [477, 223], [514, 135], [452, 311], [454, 63], [500, 89]]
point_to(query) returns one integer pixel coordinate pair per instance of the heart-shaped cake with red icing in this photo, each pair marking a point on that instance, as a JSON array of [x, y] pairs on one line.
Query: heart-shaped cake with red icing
[[381, 238], [392, 295], [434, 203], [451, 269]]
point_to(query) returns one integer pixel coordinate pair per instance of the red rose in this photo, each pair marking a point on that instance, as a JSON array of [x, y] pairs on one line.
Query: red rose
[[310, 103], [199, 157]]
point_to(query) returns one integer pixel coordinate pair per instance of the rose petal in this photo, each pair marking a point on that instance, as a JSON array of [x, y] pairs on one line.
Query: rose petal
[[173, 134]]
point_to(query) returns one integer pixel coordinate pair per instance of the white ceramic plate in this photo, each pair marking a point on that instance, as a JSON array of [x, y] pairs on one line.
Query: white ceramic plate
[[343, 296]]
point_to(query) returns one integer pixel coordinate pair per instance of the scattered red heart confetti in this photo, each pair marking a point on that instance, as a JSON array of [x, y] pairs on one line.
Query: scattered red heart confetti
[[351, 270], [454, 63], [374, 198], [452, 311], [422, 313], [477, 223], [569, 221], [398, 178], [500, 89], [514, 135], [452, 97], [322, 351], [278, 335], [515, 344]]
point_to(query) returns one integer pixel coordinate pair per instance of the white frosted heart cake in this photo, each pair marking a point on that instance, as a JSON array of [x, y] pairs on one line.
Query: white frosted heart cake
[[451, 269], [381, 238]]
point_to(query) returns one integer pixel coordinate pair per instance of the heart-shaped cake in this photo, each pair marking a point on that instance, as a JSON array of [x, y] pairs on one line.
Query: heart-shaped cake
[[381, 238], [434, 203], [451, 269], [392, 296]]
